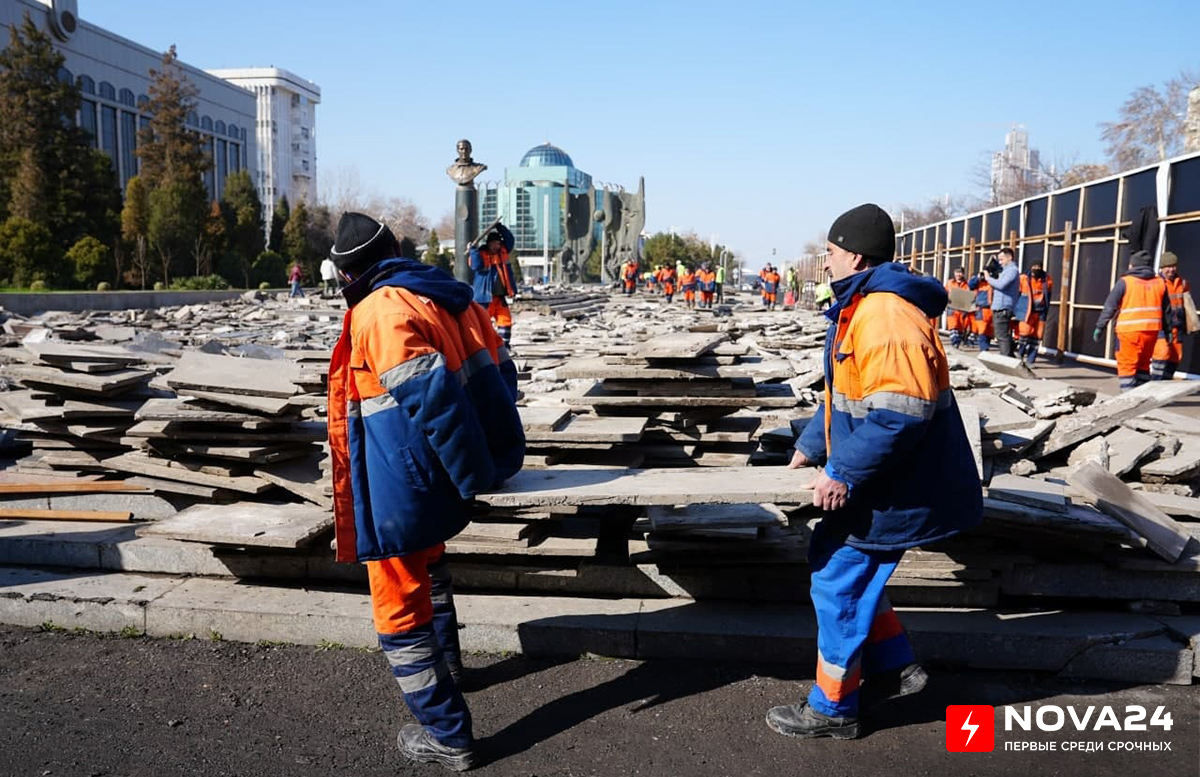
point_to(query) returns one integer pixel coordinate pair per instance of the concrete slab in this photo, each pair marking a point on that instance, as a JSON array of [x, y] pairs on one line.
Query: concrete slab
[[245, 523], [669, 486]]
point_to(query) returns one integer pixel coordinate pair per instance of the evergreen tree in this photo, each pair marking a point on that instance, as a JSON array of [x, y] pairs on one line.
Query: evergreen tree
[[320, 232], [26, 251], [135, 224], [435, 256], [49, 173], [295, 238], [245, 227], [168, 149], [90, 260], [173, 163], [175, 223], [212, 240], [279, 219]]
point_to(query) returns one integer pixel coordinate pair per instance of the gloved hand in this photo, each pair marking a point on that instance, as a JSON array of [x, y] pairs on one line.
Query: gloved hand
[[1097, 334]]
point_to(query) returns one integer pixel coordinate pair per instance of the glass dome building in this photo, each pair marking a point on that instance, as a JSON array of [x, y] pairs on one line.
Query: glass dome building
[[532, 202]]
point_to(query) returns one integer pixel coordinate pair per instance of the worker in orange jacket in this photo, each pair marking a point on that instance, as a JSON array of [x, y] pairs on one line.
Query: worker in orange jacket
[[957, 321], [667, 279], [706, 279], [422, 417], [1168, 351], [770, 286], [981, 323], [629, 273], [1032, 309], [1141, 306], [687, 284]]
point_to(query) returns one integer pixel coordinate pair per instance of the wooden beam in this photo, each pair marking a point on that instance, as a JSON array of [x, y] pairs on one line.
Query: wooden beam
[[104, 487], [65, 515], [1064, 293]]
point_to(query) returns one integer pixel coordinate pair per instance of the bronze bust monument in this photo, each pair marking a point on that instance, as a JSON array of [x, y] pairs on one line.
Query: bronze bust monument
[[465, 169]]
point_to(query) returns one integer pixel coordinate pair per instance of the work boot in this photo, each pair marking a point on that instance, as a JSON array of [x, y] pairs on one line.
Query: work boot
[[891, 685], [417, 744], [801, 720]]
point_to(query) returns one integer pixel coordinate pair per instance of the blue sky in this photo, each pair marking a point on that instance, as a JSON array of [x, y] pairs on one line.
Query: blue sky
[[755, 122]]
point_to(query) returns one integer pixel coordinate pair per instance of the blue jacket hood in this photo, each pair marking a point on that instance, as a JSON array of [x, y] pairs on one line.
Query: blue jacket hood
[[423, 279], [926, 293]]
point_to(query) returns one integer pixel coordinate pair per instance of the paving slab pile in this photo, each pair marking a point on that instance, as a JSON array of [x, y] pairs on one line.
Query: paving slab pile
[[656, 438]]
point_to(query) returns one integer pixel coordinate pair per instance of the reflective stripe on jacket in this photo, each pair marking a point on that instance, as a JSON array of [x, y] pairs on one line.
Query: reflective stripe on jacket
[[422, 412], [1141, 305]]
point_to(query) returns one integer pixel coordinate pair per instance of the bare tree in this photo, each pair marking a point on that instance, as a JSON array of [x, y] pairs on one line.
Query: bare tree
[[1150, 123], [342, 190], [445, 226]]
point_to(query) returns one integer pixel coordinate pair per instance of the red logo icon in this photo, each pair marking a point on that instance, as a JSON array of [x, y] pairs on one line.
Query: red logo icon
[[970, 728]]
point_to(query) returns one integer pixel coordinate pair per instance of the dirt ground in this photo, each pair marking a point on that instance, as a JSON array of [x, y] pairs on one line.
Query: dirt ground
[[81, 704]]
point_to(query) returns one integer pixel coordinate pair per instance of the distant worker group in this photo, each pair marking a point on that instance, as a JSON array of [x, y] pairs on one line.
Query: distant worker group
[[1010, 308]]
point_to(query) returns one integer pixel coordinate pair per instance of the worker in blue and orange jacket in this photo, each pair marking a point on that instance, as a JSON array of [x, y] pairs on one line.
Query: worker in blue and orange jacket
[[494, 279], [687, 284], [706, 280], [422, 417], [888, 428], [769, 278], [1031, 311], [1141, 305], [629, 274], [1168, 350], [982, 323]]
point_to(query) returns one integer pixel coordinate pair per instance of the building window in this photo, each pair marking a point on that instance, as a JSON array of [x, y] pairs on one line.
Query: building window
[[128, 144], [127, 98], [222, 161], [208, 174], [206, 123], [87, 119], [192, 119], [107, 91], [108, 133], [219, 128], [87, 85], [235, 158], [304, 165], [304, 132]]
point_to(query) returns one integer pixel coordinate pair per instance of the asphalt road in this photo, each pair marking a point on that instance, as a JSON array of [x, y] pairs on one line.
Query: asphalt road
[[80, 704]]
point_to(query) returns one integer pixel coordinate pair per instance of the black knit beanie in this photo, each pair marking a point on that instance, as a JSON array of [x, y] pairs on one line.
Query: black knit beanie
[[1141, 259], [865, 230], [361, 242]]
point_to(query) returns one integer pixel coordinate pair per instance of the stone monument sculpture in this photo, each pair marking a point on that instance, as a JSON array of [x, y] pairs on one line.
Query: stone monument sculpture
[[463, 172]]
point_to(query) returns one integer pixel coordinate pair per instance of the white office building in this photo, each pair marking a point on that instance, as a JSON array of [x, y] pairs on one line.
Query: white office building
[[286, 131], [114, 74], [1016, 171]]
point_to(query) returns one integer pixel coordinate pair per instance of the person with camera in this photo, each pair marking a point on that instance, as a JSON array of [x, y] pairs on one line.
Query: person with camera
[[1005, 281]]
